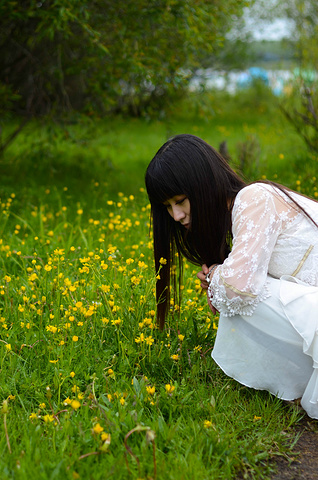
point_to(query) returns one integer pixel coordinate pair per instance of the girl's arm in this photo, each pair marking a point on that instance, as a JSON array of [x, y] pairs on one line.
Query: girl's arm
[[239, 284]]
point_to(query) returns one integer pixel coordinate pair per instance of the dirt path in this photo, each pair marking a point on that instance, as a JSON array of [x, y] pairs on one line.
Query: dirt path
[[305, 463]]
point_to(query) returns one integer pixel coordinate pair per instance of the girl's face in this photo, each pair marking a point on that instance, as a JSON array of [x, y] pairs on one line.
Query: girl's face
[[179, 209]]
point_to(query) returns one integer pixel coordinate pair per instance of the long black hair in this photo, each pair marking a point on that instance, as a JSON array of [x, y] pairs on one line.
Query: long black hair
[[186, 165]]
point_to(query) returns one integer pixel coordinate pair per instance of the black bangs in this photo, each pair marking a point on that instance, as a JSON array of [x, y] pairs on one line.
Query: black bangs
[[161, 183]]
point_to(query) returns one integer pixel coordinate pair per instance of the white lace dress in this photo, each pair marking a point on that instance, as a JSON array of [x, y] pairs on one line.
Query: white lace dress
[[267, 294]]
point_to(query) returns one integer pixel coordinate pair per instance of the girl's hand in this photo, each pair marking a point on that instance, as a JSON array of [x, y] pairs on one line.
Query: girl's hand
[[214, 310], [202, 276], [204, 284]]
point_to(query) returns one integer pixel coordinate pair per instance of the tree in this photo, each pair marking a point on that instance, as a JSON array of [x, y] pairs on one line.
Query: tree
[[105, 55], [301, 108]]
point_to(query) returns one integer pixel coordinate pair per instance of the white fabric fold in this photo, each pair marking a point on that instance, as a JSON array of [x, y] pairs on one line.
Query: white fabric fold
[[275, 349]]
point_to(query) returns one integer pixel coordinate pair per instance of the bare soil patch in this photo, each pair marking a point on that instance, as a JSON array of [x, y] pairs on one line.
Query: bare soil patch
[[304, 464]]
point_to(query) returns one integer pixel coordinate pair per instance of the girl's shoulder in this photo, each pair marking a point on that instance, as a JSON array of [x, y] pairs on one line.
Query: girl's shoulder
[[263, 199], [257, 188], [267, 198], [254, 193]]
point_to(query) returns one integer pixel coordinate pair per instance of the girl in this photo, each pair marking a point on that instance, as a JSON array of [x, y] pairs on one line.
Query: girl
[[258, 248]]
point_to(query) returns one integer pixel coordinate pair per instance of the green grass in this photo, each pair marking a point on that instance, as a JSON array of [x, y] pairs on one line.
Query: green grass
[[93, 389], [116, 152]]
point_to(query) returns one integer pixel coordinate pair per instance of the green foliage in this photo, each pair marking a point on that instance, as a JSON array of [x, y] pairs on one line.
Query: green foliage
[[301, 108], [106, 56]]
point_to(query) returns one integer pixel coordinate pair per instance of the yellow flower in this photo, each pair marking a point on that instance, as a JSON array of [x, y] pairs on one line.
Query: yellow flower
[[105, 437], [181, 337], [75, 338], [207, 424], [116, 322], [42, 405], [122, 401], [8, 346], [48, 418], [59, 251], [7, 278], [256, 418], [51, 328], [149, 340], [169, 388], [175, 357], [33, 416], [72, 374], [75, 404], [97, 428], [151, 390], [163, 261], [140, 339], [67, 401]]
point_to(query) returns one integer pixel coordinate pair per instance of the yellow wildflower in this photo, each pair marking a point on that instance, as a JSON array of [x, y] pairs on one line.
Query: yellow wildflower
[[169, 388], [105, 437], [75, 404], [116, 322], [48, 418], [151, 390], [98, 428], [140, 339], [149, 340]]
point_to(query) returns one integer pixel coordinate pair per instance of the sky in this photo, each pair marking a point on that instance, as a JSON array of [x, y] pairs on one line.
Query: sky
[[270, 29], [261, 30]]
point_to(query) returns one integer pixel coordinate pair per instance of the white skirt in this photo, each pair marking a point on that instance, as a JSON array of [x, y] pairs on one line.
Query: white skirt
[[275, 349]]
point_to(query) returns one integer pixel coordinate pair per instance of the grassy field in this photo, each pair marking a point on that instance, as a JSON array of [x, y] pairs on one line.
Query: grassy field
[[90, 388]]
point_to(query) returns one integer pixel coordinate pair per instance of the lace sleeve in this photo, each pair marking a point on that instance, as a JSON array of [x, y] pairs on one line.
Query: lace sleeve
[[239, 284]]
